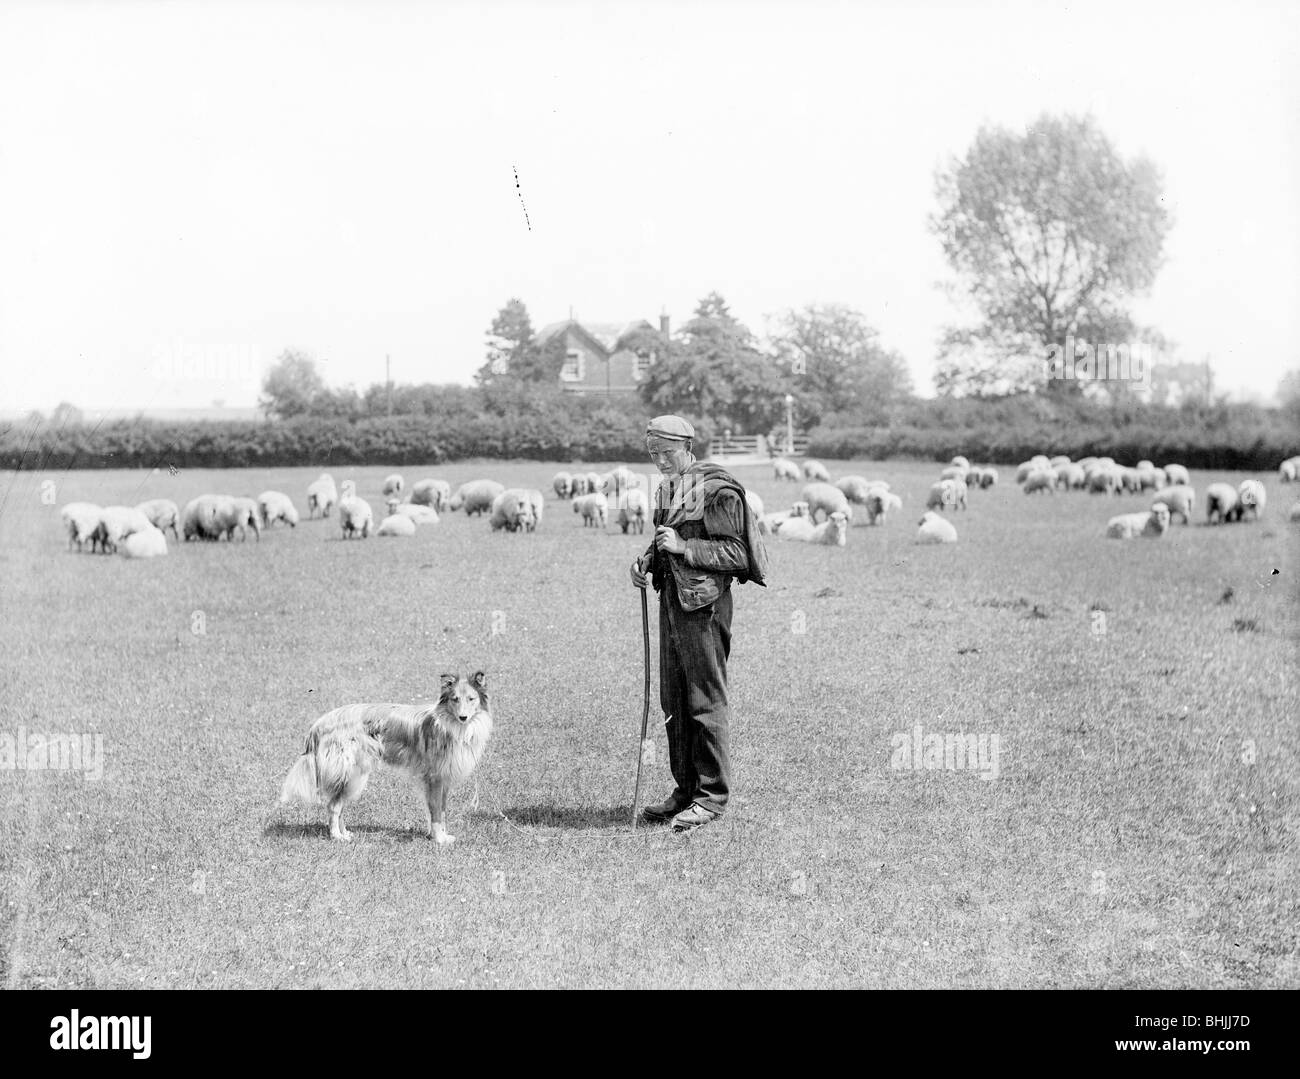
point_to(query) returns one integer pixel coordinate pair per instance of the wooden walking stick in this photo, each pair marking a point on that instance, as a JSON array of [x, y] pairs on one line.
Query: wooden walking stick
[[645, 712]]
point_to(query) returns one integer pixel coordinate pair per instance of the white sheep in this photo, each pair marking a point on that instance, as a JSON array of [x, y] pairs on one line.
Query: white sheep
[[538, 505], [959, 462], [1040, 479], [475, 497], [397, 524], [163, 514], [1086, 463], [935, 529], [1036, 462], [240, 513], [1145, 466], [832, 532], [1070, 476], [322, 496], [394, 484], [147, 543], [616, 481], [512, 510], [1251, 496], [1129, 479], [1289, 470], [419, 515], [1177, 474], [435, 493], [1180, 498], [275, 506], [593, 482], [81, 519], [879, 503], [946, 494], [857, 488], [1058, 461], [975, 477], [1102, 480], [1221, 501], [826, 499], [633, 510], [116, 523], [199, 518], [1150, 525], [785, 470], [593, 508], [1154, 478], [815, 470], [563, 484], [988, 477], [356, 516]]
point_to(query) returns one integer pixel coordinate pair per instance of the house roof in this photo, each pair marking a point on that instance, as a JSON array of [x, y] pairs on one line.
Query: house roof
[[606, 334]]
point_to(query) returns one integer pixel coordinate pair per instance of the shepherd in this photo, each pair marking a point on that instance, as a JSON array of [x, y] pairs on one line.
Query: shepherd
[[705, 537]]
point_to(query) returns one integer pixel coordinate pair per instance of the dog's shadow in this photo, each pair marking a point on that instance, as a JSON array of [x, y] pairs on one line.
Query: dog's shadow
[[577, 818], [321, 830]]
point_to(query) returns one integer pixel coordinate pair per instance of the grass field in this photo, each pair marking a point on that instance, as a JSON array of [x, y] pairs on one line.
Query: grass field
[[1140, 831]]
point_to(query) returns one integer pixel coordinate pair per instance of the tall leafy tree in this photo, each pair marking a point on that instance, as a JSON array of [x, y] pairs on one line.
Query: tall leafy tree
[[509, 341], [292, 386], [1050, 234]]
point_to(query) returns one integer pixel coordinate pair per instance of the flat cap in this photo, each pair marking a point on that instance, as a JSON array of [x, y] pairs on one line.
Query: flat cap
[[673, 428]]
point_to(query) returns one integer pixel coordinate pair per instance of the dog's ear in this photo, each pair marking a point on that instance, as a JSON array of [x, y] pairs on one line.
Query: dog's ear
[[447, 682], [480, 680]]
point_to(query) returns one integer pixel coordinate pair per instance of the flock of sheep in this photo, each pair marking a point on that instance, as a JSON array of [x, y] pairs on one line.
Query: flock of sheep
[[140, 531]]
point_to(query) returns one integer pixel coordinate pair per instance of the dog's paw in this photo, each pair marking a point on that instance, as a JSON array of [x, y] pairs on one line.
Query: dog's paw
[[342, 837], [443, 839]]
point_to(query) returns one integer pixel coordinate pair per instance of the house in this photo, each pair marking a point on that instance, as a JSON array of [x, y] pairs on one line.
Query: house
[[596, 356]]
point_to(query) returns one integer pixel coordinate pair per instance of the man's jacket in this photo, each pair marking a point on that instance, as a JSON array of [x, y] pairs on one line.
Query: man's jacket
[[706, 506]]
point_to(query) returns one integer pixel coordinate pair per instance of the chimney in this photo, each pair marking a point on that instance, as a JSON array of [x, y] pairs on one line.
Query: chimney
[[663, 324]]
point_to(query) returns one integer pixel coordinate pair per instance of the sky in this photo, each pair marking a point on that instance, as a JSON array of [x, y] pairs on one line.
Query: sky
[[186, 190]]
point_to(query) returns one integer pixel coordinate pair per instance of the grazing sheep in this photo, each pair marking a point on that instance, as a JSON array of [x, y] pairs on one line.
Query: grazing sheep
[[1145, 466], [356, 517], [974, 477], [946, 494], [511, 510], [1036, 462], [1180, 499], [1103, 481], [147, 543], [879, 503], [475, 497], [1251, 496], [240, 513], [163, 514], [633, 509], [322, 496], [1129, 479], [616, 481], [988, 477], [785, 470], [116, 523], [1086, 463], [825, 498], [1289, 470], [593, 483], [832, 532], [1221, 501], [396, 524], [538, 505], [935, 529], [275, 506], [81, 519], [1154, 478], [199, 518], [1150, 525], [1040, 479], [1177, 474], [815, 470], [578, 485], [563, 484], [593, 508], [857, 488], [394, 485], [420, 515], [953, 472], [959, 462], [755, 503], [1071, 477], [435, 493], [1058, 461]]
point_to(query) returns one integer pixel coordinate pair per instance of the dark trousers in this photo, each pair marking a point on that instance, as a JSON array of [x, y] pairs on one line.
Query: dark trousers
[[693, 650]]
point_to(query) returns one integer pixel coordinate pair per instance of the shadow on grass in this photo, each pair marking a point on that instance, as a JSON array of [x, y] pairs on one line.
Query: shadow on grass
[[282, 830], [553, 816]]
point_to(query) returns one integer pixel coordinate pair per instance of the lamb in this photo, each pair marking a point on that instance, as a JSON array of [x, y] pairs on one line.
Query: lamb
[[770, 523], [512, 510], [538, 505], [419, 515], [593, 508], [475, 497], [827, 499], [1150, 525], [147, 543], [435, 493], [633, 509], [833, 532], [815, 470], [1221, 501], [275, 506], [946, 494], [199, 518], [563, 484], [785, 470], [241, 513], [1251, 496], [116, 523], [879, 503], [322, 495], [935, 529], [394, 485], [1179, 498], [1040, 479], [163, 514], [81, 519], [396, 524], [356, 517]]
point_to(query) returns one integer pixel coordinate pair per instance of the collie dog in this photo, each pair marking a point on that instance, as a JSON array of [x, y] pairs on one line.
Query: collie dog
[[436, 744]]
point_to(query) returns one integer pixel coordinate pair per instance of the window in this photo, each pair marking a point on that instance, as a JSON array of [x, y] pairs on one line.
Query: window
[[574, 367], [641, 366]]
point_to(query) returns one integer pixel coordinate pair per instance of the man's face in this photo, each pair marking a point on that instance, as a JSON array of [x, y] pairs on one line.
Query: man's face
[[670, 457]]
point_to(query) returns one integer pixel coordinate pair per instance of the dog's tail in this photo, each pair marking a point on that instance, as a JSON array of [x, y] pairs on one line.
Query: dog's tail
[[300, 783]]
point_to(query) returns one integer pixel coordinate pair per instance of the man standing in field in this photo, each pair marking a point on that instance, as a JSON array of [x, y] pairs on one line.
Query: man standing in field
[[704, 536]]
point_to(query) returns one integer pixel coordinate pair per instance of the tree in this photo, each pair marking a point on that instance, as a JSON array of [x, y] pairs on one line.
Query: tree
[[835, 365], [292, 386], [66, 414], [509, 339], [714, 370], [1050, 234]]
